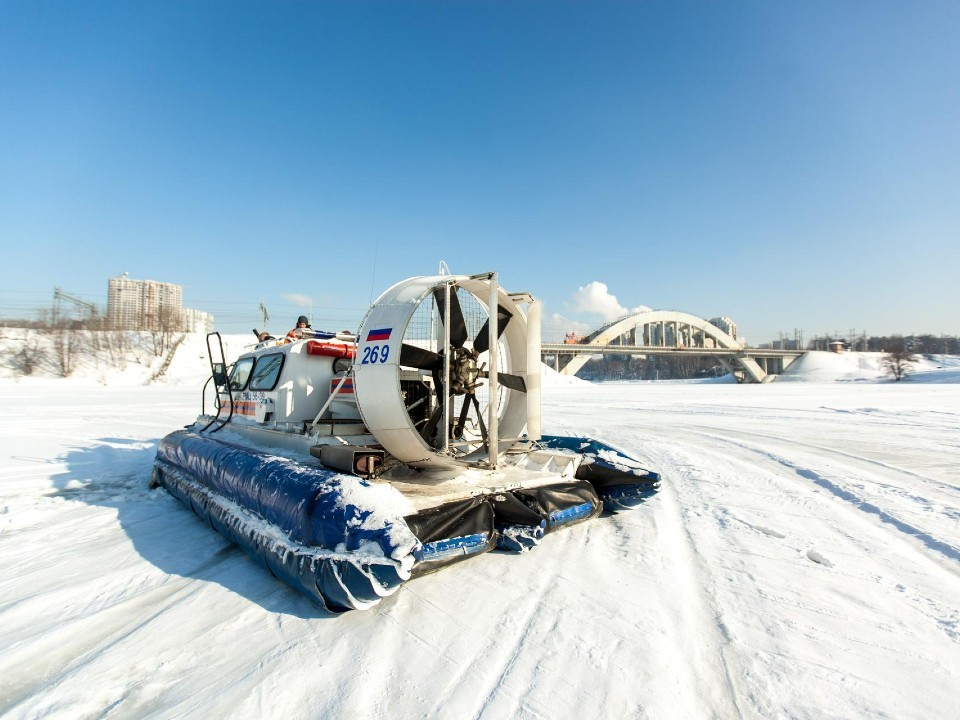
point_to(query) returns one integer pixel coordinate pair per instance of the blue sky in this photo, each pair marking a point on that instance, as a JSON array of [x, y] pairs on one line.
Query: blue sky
[[790, 165]]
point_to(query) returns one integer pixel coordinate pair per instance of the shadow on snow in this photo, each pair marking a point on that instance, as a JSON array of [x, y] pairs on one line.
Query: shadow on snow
[[115, 473]]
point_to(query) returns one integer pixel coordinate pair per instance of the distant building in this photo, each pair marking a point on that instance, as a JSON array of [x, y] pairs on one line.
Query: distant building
[[151, 305], [781, 344], [725, 324], [197, 321]]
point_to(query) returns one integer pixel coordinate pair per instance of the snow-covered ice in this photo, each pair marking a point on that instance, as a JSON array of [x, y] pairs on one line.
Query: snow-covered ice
[[802, 560]]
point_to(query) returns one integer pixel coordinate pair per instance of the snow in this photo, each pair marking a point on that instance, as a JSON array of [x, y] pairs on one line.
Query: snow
[[858, 366], [802, 560]]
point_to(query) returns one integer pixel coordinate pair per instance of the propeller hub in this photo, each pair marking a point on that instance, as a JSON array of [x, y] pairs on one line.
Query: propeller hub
[[464, 371]]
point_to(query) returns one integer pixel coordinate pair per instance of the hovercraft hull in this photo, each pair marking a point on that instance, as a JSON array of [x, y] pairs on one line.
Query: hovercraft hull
[[322, 532], [620, 481], [341, 540]]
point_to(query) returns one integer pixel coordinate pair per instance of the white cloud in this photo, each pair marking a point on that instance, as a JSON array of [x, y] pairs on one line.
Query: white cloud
[[298, 299], [595, 297]]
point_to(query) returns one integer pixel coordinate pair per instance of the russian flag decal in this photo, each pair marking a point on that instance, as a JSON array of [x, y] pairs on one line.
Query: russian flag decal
[[379, 335]]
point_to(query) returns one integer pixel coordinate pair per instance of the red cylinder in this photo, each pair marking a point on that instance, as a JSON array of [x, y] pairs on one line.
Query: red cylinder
[[329, 349]]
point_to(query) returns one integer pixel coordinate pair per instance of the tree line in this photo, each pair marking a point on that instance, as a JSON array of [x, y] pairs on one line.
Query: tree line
[[59, 348], [920, 344]]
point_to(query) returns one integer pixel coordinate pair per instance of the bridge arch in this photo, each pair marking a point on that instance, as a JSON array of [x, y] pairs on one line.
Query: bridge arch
[[664, 328]]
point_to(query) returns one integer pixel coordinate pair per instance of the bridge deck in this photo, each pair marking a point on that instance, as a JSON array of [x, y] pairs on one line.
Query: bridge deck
[[590, 349]]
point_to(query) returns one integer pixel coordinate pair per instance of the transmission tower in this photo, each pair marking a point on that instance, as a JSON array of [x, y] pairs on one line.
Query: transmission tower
[[89, 309]]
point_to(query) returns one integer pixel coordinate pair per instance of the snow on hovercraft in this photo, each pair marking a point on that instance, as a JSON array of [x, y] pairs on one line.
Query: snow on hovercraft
[[347, 465]]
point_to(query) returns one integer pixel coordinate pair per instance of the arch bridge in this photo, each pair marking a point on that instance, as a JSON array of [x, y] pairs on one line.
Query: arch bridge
[[670, 332]]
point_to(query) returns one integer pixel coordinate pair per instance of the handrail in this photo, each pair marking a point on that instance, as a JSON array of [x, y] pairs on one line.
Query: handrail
[[223, 362]]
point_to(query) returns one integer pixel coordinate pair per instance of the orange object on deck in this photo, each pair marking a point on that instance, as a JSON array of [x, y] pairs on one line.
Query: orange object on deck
[[329, 349]]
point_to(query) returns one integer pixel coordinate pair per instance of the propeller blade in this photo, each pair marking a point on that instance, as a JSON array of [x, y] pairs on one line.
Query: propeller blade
[[438, 391], [514, 382], [458, 327], [462, 420], [483, 428], [417, 357], [431, 426], [482, 343]]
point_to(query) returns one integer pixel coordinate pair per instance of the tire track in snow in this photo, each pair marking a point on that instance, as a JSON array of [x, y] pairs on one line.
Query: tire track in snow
[[942, 617], [509, 655], [757, 657], [49, 659], [499, 651], [236, 689], [708, 634], [506, 655], [854, 500], [779, 439], [837, 490], [386, 611], [101, 631]]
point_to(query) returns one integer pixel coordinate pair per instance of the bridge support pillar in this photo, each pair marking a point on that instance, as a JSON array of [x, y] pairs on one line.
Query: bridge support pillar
[[744, 368], [753, 371]]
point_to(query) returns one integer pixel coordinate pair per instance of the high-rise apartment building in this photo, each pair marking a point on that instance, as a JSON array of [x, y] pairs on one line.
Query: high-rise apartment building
[[725, 324], [151, 305]]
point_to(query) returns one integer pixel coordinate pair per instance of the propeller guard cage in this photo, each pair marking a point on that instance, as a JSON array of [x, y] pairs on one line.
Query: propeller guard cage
[[378, 370]]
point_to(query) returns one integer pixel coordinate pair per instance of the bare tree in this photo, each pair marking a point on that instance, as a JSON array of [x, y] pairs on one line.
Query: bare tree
[[67, 343], [899, 359], [163, 328], [29, 356], [118, 346]]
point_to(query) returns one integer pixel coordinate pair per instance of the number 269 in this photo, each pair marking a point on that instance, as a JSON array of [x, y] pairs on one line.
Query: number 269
[[375, 354]]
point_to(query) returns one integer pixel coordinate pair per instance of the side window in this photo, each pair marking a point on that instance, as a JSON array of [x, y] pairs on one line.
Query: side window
[[267, 372], [241, 373]]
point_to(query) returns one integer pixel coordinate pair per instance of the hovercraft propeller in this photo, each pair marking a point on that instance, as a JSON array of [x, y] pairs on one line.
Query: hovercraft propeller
[[438, 334], [465, 370]]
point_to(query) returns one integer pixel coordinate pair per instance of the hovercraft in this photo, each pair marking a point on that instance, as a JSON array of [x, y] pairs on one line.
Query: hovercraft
[[348, 464]]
